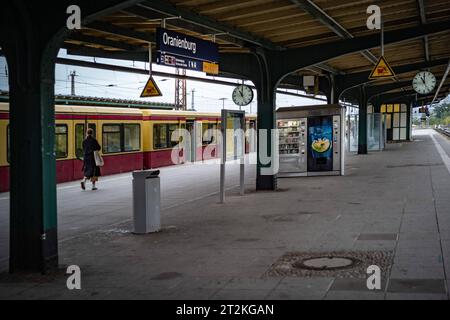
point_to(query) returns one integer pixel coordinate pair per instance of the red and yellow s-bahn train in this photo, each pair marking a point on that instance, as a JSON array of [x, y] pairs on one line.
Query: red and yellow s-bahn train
[[131, 139]]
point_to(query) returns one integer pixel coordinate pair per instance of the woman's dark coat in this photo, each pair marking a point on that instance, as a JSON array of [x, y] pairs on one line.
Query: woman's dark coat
[[90, 145]]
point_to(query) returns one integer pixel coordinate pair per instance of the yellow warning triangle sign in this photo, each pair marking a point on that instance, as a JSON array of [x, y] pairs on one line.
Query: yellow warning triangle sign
[[151, 89], [381, 70]]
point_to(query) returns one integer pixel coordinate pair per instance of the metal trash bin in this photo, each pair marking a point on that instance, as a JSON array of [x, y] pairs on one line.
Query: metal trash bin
[[146, 201]]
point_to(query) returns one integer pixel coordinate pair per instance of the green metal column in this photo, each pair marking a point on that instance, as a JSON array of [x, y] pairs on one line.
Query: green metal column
[[409, 109], [260, 66], [266, 120], [266, 83], [331, 87], [33, 224], [377, 105], [362, 127]]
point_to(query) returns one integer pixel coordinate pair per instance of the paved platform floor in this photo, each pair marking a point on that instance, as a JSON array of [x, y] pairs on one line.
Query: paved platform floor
[[84, 211], [394, 202]]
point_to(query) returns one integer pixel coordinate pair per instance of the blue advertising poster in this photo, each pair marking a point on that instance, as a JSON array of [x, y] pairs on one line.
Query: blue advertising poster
[[320, 144], [181, 45]]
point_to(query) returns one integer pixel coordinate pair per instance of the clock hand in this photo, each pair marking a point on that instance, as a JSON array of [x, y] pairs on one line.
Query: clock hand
[[240, 95]]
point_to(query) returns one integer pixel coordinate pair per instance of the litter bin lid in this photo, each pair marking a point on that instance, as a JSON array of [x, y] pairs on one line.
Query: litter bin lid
[[145, 174]]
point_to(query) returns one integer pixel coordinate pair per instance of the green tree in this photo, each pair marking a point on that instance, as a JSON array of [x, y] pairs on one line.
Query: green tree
[[442, 111]]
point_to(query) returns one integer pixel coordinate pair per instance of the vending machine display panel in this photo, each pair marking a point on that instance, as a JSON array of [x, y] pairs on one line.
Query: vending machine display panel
[[320, 144]]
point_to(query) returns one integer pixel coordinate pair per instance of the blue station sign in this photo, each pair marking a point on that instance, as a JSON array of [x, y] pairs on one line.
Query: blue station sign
[[181, 45]]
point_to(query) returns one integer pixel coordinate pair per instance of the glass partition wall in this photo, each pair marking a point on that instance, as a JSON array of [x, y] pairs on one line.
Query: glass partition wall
[[376, 131], [376, 127], [393, 123]]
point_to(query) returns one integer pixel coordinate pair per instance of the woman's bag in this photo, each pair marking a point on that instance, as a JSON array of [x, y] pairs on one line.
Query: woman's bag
[[98, 159]]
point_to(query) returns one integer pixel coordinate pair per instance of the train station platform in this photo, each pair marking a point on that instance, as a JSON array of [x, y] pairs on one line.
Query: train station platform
[[391, 209]]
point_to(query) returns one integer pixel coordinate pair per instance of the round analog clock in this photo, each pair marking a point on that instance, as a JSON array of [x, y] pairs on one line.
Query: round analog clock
[[242, 95], [424, 82]]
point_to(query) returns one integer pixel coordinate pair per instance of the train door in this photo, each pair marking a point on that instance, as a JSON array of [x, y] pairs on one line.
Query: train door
[[80, 134], [190, 127]]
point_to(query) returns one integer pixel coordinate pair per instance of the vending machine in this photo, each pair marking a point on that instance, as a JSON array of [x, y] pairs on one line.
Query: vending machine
[[310, 140]]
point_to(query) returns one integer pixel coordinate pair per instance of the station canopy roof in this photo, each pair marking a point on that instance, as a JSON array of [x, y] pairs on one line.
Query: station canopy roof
[[238, 25]]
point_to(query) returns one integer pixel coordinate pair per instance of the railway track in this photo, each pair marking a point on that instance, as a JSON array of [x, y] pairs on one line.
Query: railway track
[[445, 131]]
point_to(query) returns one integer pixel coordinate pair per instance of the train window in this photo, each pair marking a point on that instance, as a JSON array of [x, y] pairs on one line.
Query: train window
[[79, 137], [132, 137], [214, 131], [111, 138], [183, 129], [205, 139], [93, 126], [172, 128], [209, 130], [160, 136], [61, 141]]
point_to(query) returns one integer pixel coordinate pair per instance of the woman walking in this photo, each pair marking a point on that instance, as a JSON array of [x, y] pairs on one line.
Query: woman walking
[[90, 169]]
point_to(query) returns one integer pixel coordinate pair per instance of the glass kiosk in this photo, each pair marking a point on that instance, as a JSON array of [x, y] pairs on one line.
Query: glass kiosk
[[310, 140]]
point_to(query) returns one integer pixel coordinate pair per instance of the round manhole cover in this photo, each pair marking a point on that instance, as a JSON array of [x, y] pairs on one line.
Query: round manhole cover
[[325, 263]]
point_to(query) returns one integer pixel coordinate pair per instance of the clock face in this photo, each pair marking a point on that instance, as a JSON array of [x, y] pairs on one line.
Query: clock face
[[242, 95], [424, 82]]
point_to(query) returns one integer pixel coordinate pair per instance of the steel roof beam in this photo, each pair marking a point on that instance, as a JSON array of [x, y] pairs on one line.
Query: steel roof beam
[[423, 20], [167, 8], [353, 79], [145, 13], [320, 15], [156, 10], [243, 65], [102, 41], [123, 32], [292, 60], [104, 66], [347, 80], [444, 77], [388, 96], [329, 69], [374, 90], [107, 54], [110, 9]]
